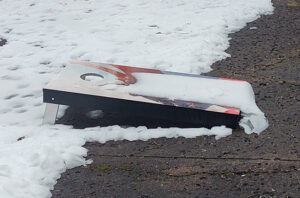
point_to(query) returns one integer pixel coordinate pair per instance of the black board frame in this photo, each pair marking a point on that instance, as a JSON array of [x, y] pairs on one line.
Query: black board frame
[[197, 117]]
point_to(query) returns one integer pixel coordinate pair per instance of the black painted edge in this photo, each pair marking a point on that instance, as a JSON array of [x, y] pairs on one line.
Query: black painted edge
[[137, 108]]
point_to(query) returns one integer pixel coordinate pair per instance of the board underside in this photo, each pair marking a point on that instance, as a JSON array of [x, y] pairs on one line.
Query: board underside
[[74, 88]]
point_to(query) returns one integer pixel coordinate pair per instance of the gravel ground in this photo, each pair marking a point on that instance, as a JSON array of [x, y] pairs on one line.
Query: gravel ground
[[266, 53], [2, 42]]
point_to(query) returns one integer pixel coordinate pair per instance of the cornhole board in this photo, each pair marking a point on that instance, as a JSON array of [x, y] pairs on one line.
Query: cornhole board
[[133, 91]]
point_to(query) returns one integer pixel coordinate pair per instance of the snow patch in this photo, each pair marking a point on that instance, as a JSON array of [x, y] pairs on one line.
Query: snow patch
[[230, 93], [95, 114]]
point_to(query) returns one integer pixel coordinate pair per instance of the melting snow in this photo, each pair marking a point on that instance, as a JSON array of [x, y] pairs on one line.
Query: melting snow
[[42, 36]]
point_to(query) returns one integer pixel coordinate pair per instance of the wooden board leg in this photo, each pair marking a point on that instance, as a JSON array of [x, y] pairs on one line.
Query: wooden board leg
[[50, 113]]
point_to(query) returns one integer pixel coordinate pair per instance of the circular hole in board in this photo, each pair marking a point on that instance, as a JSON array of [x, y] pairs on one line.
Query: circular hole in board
[[92, 77]]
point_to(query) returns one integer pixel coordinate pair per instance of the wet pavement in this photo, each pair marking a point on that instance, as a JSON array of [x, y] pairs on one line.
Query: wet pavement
[[266, 53]]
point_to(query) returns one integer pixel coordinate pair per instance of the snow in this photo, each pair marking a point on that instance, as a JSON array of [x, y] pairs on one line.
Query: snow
[[42, 36], [230, 93], [95, 114]]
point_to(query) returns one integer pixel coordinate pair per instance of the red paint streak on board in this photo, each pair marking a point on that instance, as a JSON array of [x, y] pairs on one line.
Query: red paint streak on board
[[130, 70], [231, 79], [126, 77], [232, 112]]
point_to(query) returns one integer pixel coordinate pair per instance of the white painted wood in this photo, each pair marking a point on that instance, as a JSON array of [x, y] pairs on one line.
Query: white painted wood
[[50, 113]]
